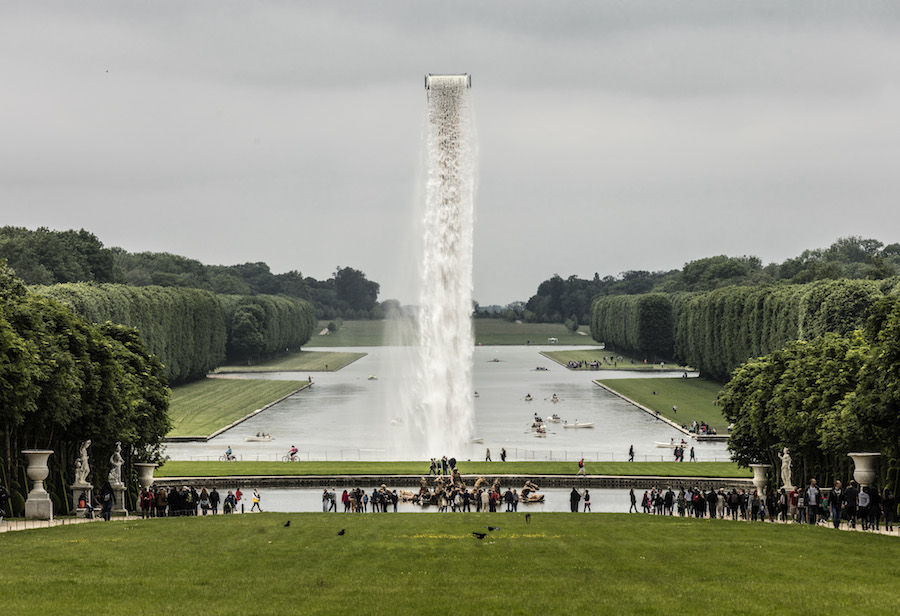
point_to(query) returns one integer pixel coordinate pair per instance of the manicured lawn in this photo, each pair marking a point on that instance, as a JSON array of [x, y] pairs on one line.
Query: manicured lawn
[[500, 332], [487, 332], [695, 398], [422, 563], [202, 407], [304, 361], [660, 469], [628, 363]]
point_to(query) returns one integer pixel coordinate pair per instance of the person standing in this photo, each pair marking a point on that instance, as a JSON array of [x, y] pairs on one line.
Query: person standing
[[214, 501], [587, 501], [835, 500], [693, 457], [863, 500], [503, 454], [889, 503], [108, 499], [487, 455], [813, 501], [851, 494], [633, 501], [574, 499]]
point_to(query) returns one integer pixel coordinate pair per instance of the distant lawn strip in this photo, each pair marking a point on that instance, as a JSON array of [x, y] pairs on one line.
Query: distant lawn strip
[[487, 332], [304, 361], [202, 407], [588, 355], [656, 469], [501, 332], [695, 398], [551, 563]]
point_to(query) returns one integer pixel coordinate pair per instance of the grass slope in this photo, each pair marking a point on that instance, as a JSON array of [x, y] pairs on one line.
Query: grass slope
[[564, 357], [432, 564], [202, 407], [660, 469], [695, 398], [304, 361]]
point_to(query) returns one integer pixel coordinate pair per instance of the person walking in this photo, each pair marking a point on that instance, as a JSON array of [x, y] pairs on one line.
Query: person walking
[[851, 493], [255, 499], [633, 501], [693, 457], [581, 470], [503, 455], [587, 501], [487, 456], [631, 454]]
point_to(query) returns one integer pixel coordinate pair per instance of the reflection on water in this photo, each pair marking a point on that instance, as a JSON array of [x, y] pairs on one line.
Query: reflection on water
[[347, 416]]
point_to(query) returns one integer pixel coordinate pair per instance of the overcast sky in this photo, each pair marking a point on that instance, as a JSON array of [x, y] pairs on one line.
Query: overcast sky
[[613, 135]]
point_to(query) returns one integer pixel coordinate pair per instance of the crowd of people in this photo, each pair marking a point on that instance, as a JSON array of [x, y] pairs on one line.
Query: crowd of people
[[866, 506], [187, 501]]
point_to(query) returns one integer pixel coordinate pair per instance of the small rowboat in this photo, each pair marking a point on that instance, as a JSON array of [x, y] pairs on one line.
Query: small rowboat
[[257, 439], [479, 439], [578, 425], [554, 418], [671, 445]]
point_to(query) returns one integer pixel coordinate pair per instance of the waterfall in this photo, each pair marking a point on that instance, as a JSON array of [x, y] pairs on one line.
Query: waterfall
[[441, 413]]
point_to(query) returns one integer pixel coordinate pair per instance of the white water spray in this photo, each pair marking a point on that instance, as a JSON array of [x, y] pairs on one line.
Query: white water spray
[[440, 412]]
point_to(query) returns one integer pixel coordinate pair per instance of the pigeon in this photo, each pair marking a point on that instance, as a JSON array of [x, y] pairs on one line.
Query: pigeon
[[343, 530], [528, 518], [480, 535], [493, 528], [288, 523]]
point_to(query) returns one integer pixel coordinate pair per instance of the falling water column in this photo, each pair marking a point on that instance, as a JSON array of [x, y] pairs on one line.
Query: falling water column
[[444, 377]]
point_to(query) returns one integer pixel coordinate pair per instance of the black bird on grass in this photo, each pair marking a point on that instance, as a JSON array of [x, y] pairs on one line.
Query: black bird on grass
[[343, 530], [480, 535], [493, 528], [528, 518], [288, 523]]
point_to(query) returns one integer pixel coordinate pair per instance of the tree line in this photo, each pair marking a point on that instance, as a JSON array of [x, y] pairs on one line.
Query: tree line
[[64, 379], [558, 299], [47, 257]]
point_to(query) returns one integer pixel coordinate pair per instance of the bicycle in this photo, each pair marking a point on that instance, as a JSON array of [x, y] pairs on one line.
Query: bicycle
[[290, 459], [227, 458]]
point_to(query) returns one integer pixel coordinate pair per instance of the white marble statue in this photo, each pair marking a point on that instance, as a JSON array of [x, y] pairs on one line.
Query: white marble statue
[[786, 469], [82, 466], [115, 473]]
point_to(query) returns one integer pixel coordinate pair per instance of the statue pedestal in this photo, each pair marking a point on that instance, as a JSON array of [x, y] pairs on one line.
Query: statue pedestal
[[119, 507], [38, 506], [77, 489]]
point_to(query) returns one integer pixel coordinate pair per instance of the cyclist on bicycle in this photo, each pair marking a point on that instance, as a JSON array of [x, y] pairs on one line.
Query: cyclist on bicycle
[[293, 452], [228, 454]]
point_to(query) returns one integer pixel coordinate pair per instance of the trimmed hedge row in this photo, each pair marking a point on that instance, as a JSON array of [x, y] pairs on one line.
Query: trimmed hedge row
[[186, 328], [717, 331], [635, 324]]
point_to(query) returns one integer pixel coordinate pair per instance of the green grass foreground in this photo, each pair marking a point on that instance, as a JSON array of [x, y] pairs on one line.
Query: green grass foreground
[[202, 407], [657, 469], [304, 361], [420, 563], [564, 357], [487, 332], [695, 398]]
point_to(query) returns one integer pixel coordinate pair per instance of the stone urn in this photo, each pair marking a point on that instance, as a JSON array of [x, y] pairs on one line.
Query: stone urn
[[760, 481], [145, 473], [864, 467], [38, 505]]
